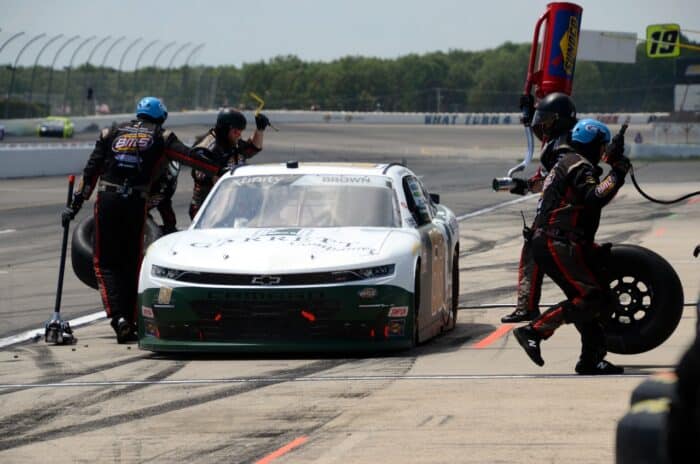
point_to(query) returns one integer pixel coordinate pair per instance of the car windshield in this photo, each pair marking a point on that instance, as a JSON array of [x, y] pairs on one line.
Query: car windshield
[[301, 201]]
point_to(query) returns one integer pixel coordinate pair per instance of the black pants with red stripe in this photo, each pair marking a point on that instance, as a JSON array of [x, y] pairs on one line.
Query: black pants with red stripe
[[529, 280], [117, 248], [576, 269]]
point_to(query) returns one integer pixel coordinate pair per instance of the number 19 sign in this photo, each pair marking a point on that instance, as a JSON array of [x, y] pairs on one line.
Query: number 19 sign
[[663, 40]]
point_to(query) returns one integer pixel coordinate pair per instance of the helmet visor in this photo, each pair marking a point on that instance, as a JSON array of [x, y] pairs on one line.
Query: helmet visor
[[543, 123]]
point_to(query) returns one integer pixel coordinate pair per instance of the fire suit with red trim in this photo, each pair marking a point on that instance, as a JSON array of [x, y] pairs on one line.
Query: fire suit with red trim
[[563, 245], [208, 147], [530, 275], [126, 159]]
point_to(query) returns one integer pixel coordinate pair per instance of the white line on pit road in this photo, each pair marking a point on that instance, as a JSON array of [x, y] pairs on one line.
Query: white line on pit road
[[8, 231], [319, 378], [34, 333], [495, 207]]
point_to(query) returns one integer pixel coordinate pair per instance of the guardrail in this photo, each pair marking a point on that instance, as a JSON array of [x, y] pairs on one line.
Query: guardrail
[[207, 118], [57, 158]]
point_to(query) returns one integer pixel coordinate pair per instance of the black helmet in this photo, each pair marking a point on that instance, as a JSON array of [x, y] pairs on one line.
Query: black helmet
[[554, 115], [226, 120]]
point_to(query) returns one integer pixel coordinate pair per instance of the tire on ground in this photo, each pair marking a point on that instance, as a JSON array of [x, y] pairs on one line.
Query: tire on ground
[[81, 247], [661, 385], [641, 433], [657, 290]]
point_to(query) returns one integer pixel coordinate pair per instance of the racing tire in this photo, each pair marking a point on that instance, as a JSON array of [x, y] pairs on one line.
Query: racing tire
[[415, 337], [641, 433], [455, 289], [661, 385], [81, 247], [649, 300]]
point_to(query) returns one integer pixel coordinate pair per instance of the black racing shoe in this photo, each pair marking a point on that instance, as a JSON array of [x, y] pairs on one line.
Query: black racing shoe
[[124, 329], [600, 368], [530, 341], [521, 315]]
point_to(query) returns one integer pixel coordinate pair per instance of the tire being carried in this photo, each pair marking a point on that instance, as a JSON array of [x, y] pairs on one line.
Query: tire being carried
[[81, 247], [650, 300]]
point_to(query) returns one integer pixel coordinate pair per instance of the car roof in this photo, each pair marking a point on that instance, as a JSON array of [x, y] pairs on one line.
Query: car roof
[[365, 169]]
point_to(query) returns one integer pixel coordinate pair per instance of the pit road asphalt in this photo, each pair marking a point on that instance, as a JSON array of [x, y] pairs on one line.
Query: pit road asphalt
[[455, 399]]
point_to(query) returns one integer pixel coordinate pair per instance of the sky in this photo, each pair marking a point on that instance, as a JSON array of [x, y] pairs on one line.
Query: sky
[[235, 32]]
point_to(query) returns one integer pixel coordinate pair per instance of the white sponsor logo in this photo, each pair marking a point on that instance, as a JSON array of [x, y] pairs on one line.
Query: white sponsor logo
[[398, 311], [147, 312]]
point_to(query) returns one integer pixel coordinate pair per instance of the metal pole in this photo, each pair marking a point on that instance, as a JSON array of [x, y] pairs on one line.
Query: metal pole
[[36, 62], [158, 55], [104, 60], [121, 63], [185, 74], [53, 63], [70, 66], [87, 72], [138, 60], [170, 65], [10, 40], [14, 68]]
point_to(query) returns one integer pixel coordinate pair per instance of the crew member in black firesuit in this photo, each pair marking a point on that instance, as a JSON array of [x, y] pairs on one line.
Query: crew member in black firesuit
[[564, 245], [223, 146], [553, 119], [127, 159]]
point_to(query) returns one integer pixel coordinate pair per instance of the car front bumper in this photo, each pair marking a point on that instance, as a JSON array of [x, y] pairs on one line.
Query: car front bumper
[[291, 319]]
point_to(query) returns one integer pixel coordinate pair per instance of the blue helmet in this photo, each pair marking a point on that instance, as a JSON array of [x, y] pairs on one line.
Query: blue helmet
[[588, 131], [152, 108]]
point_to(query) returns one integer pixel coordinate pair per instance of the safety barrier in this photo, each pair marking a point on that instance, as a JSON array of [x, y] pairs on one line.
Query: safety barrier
[[207, 118], [56, 158]]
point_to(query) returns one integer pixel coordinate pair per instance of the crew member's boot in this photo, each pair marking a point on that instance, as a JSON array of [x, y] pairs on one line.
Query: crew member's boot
[[530, 340], [602, 367], [124, 330], [521, 315]]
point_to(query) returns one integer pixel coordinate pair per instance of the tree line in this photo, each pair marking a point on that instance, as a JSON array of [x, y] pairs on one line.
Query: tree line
[[453, 81]]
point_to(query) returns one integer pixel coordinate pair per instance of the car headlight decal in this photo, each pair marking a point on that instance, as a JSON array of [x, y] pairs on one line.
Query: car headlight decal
[[167, 273], [313, 278]]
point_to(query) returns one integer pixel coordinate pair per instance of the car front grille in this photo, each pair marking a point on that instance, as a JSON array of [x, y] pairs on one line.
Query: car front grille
[[282, 320]]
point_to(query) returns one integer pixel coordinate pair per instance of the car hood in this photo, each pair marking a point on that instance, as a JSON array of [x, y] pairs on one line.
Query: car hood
[[271, 250]]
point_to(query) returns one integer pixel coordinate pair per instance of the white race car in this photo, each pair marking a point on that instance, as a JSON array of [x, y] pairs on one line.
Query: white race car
[[304, 257]]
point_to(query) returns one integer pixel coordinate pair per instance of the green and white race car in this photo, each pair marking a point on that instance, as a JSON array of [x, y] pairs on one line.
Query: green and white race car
[[304, 257]]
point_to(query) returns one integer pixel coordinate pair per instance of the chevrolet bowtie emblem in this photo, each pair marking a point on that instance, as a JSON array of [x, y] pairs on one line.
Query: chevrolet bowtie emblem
[[266, 280]]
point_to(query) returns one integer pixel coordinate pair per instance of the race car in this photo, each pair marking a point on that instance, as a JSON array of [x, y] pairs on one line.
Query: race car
[[55, 126], [304, 257]]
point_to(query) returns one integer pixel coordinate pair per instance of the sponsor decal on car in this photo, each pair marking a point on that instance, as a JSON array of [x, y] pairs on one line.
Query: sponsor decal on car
[[164, 295], [396, 328], [398, 311], [147, 312], [292, 237], [151, 329], [367, 293]]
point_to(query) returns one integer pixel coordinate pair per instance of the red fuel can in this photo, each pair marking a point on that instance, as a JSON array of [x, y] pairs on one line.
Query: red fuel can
[[553, 69]]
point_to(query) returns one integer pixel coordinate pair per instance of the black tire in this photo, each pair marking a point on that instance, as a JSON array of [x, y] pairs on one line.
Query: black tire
[[455, 287], [641, 433], [416, 307], [81, 251], [661, 385], [650, 300], [81, 247]]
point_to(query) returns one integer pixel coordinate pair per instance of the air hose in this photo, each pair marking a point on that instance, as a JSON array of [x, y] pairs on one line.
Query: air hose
[[656, 200]]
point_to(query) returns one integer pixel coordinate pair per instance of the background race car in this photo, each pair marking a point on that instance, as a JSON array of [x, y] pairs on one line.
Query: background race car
[[55, 126], [304, 257]]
